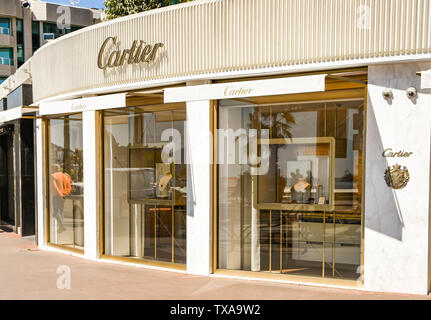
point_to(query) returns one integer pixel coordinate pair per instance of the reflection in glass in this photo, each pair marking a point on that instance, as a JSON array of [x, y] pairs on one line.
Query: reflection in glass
[[66, 182], [145, 195], [302, 215]]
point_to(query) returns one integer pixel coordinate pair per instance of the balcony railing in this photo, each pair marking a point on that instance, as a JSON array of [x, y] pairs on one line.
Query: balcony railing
[[7, 61], [4, 30]]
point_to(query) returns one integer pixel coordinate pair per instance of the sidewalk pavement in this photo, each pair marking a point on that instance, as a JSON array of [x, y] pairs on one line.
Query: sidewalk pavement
[[29, 273]]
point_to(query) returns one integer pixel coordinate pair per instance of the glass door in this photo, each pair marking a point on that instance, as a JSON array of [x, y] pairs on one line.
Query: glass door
[[66, 182]]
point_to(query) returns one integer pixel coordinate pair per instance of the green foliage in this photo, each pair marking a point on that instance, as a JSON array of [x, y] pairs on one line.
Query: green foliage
[[120, 8]]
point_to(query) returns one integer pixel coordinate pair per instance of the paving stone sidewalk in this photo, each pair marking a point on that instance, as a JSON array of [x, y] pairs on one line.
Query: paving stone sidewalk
[[29, 273]]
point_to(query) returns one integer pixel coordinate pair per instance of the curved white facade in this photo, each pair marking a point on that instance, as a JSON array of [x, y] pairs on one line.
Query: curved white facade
[[202, 41], [223, 37]]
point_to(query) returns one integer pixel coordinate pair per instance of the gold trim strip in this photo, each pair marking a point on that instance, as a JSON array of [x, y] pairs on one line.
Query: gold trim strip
[[138, 261], [289, 278], [65, 248]]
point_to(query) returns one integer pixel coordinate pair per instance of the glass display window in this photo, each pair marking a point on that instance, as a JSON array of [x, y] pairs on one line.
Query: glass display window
[[145, 186], [291, 201]]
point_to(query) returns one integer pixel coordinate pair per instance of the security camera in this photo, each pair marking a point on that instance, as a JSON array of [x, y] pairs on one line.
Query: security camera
[[412, 93], [26, 4], [387, 94]]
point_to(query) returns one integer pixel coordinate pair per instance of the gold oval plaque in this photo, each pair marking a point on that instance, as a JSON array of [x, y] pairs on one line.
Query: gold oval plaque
[[396, 177]]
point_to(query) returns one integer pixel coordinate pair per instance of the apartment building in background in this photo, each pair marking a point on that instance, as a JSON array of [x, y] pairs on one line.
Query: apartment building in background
[[26, 25]]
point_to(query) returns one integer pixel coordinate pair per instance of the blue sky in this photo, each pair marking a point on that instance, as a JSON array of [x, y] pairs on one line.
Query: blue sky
[[82, 3]]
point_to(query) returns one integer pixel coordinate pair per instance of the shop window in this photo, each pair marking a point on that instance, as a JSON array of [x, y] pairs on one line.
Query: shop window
[[20, 42], [6, 56], [66, 182], [290, 187], [5, 26], [35, 35], [145, 194], [52, 28]]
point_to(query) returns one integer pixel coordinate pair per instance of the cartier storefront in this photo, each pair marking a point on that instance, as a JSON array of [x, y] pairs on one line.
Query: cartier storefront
[[300, 155]]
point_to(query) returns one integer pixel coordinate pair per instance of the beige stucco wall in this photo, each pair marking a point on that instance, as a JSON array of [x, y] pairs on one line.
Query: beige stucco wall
[[48, 12], [7, 40], [11, 8]]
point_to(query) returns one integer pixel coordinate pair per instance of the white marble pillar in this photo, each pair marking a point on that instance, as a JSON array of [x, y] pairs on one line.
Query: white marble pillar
[[199, 182], [397, 235], [91, 156]]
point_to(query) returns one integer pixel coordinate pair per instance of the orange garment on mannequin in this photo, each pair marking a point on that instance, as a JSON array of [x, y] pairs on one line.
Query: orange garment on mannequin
[[62, 183]]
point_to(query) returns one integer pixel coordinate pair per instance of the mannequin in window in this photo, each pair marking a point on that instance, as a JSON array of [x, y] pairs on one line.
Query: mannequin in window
[[61, 188]]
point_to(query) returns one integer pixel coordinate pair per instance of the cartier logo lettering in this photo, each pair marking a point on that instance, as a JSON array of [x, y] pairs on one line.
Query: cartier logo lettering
[[389, 153], [232, 91], [139, 52], [78, 106]]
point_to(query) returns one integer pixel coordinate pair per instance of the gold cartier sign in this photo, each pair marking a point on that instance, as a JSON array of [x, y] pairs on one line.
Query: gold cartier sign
[[231, 91], [139, 52], [389, 153]]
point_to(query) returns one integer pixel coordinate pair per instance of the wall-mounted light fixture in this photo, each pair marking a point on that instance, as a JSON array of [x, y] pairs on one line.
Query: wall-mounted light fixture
[[412, 93], [388, 94]]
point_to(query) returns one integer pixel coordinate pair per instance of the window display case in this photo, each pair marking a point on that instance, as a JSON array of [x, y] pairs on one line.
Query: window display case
[[300, 175], [153, 182]]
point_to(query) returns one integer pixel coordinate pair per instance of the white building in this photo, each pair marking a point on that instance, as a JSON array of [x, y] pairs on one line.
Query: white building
[[302, 141]]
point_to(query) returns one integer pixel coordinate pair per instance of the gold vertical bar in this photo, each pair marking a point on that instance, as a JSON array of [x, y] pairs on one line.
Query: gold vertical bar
[[324, 124], [287, 237], [270, 240], [270, 122], [142, 229], [333, 249], [281, 242], [336, 122], [155, 234], [324, 231], [73, 224], [172, 208], [173, 234], [46, 133], [101, 153], [213, 113]]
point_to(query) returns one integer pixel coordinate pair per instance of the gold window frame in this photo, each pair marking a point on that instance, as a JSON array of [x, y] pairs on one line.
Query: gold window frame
[[137, 104], [46, 129], [300, 207], [352, 86]]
